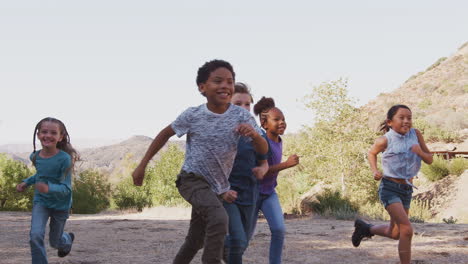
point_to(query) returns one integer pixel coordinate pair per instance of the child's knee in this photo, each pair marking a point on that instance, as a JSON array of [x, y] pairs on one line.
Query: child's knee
[[36, 237], [406, 231], [238, 245], [278, 231]]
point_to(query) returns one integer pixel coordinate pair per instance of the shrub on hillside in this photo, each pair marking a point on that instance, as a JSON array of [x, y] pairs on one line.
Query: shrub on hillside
[[437, 170], [158, 186], [127, 195], [332, 203], [434, 134], [458, 166], [164, 174], [12, 172], [91, 192]]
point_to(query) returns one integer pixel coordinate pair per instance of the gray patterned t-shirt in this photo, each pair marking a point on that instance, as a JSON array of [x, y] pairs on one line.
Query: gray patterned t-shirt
[[211, 142]]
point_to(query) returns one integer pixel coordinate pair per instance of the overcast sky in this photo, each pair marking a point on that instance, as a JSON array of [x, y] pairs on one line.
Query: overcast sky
[[113, 69]]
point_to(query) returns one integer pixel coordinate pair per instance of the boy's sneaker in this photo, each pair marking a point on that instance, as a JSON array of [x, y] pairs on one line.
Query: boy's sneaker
[[361, 230], [63, 253]]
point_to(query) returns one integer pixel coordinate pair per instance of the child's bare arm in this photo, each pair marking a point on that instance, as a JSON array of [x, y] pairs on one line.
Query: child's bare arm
[[422, 150], [160, 140], [380, 145], [292, 161], [261, 169]]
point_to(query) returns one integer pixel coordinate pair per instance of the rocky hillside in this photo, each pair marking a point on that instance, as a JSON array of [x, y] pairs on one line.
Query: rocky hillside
[[439, 94]]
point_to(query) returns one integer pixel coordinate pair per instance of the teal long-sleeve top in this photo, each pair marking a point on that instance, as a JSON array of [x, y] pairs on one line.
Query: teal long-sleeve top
[[56, 173]]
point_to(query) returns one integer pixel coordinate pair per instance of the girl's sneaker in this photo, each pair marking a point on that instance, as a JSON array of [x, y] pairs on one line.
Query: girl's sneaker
[[361, 230], [63, 253]]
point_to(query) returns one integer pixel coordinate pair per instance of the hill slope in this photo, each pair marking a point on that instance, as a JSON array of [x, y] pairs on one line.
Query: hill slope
[[438, 95]]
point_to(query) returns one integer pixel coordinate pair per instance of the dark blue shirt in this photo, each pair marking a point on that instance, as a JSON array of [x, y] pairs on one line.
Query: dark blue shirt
[[242, 179]]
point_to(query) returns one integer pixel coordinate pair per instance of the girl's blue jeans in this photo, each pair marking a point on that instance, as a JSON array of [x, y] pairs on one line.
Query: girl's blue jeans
[[240, 221], [271, 208], [57, 238]]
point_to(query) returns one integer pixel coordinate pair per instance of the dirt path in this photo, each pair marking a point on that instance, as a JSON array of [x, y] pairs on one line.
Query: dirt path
[[154, 236]]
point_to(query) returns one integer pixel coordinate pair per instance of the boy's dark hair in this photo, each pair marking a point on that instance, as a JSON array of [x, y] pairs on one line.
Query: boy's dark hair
[[64, 144], [209, 67], [242, 88], [262, 107], [390, 114]]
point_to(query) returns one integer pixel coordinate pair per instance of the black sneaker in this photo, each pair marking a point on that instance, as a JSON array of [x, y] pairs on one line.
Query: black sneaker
[[361, 230], [63, 253]]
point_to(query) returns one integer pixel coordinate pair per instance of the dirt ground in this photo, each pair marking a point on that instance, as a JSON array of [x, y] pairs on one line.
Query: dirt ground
[[155, 235]]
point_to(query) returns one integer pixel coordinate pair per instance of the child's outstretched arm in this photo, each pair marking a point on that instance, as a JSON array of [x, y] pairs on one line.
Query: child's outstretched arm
[[292, 161], [259, 143], [160, 140], [422, 150], [380, 145]]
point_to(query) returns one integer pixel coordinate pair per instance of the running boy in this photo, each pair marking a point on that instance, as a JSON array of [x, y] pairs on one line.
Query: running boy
[[213, 131]]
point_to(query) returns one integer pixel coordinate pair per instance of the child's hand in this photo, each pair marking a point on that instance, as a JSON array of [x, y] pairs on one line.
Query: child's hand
[[377, 175], [21, 187], [260, 171], [42, 187], [292, 161], [416, 149], [246, 130], [229, 196], [138, 175]]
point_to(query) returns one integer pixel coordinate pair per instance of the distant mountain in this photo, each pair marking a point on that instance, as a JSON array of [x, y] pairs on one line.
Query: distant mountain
[[16, 148], [439, 94]]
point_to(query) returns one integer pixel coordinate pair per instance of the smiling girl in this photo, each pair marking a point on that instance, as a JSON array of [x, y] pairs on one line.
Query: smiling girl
[[53, 188], [273, 122], [402, 148]]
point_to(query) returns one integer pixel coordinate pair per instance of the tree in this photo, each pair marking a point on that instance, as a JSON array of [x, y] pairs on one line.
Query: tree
[[335, 148]]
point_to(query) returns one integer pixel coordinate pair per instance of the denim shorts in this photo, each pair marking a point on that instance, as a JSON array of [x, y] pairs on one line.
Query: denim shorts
[[392, 192]]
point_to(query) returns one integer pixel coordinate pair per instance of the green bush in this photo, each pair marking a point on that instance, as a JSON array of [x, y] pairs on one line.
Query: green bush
[[158, 186], [91, 192], [164, 174], [12, 172], [437, 170], [332, 203], [458, 166], [126, 195]]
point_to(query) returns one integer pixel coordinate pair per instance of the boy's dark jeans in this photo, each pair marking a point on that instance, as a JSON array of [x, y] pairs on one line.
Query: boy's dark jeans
[[209, 223]]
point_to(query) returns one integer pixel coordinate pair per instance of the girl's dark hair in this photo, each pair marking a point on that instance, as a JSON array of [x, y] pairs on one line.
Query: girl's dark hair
[[64, 144], [211, 66], [262, 107], [390, 114], [240, 87]]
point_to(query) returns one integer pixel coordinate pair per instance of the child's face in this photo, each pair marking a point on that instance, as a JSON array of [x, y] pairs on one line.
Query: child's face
[[275, 124], [401, 121], [219, 87], [242, 99], [49, 134]]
